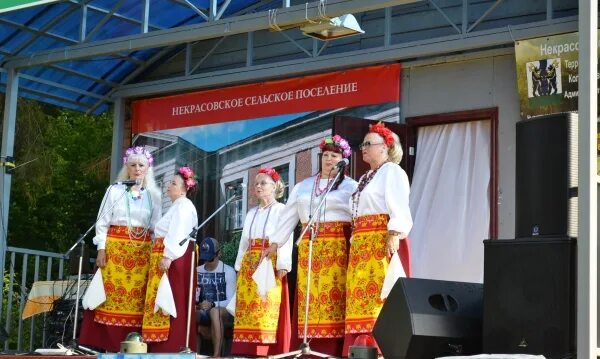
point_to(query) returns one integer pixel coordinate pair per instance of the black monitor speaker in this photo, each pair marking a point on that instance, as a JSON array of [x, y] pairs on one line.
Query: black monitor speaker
[[546, 176], [529, 297], [424, 319]]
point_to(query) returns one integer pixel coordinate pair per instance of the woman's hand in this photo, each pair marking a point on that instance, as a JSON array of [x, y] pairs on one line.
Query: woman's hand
[[164, 264], [268, 252], [393, 242], [101, 258], [281, 273]]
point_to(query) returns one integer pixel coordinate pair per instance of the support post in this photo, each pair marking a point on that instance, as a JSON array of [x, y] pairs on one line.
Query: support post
[[117, 138], [587, 319]]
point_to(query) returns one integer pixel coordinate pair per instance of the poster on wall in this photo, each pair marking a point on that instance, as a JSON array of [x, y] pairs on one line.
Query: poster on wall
[[547, 74]]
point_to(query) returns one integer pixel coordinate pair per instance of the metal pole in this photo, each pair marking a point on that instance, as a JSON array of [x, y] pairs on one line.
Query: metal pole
[[587, 227], [117, 138], [8, 143]]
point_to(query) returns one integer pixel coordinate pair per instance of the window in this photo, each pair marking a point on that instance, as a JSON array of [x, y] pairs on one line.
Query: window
[[235, 208], [284, 172]]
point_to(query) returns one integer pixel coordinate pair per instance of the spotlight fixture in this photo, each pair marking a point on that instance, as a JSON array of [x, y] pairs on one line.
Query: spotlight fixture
[[335, 28]]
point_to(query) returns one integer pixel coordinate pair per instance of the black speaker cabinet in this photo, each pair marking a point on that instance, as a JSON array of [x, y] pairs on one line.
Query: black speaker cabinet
[[424, 319], [546, 176], [529, 296]]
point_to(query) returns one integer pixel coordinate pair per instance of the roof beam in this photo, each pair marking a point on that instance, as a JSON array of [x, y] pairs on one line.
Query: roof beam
[[294, 15], [60, 86], [37, 32], [419, 49], [118, 16], [44, 29], [83, 75], [104, 20], [131, 76]]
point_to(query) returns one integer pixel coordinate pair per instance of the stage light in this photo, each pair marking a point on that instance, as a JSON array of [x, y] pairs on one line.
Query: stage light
[[335, 28], [364, 347]]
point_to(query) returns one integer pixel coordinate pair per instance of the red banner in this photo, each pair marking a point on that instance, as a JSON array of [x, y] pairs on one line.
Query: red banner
[[348, 88]]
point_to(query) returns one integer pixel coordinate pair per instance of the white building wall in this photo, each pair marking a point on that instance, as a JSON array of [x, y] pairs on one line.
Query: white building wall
[[470, 85]]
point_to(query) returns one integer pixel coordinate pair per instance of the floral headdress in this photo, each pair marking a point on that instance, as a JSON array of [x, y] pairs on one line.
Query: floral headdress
[[271, 173], [138, 150], [382, 131], [189, 178], [339, 142]]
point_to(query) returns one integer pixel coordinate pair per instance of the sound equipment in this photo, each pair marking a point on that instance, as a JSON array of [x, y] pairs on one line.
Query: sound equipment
[[425, 318], [546, 176], [529, 296], [58, 326]]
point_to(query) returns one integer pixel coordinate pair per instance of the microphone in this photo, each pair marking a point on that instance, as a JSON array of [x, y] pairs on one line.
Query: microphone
[[236, 186], [343, 163], [129, 183]]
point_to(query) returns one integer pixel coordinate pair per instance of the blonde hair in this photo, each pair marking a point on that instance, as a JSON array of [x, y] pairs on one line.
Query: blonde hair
[[279, 189], [148, 183], [395, 152]]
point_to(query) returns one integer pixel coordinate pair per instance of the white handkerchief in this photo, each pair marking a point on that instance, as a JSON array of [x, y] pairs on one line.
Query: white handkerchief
[[164, 298], [94, 295], [231, 305], [264, 277], [395, 271]]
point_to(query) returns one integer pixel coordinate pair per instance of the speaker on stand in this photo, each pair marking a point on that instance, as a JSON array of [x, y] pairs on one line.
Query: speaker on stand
[[546, 176]]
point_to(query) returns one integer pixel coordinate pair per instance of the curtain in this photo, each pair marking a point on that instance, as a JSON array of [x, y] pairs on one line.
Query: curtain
[[449, 201]]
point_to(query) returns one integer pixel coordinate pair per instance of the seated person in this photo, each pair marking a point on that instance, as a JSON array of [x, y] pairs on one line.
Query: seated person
[[216, 286]]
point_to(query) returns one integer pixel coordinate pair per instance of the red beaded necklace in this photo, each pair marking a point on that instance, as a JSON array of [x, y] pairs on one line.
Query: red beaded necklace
[[364, 181]]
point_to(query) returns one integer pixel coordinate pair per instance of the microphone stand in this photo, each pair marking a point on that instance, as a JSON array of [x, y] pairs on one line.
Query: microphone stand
[[81, 240], [192, 238], [312, 218]]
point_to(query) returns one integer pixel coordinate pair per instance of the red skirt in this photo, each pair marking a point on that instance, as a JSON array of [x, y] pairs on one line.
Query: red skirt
[[125, 277], [179, 278]]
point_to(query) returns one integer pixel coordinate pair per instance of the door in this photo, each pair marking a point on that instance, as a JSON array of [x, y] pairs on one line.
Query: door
[[354, 129]]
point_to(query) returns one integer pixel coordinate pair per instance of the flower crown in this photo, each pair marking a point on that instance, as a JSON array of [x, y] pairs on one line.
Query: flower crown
[[138, 150], [189, 178], [271, 173], [339, 142], [382, 131]]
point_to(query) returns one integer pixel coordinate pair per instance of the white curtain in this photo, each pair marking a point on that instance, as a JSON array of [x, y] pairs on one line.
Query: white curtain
[[449, 201]]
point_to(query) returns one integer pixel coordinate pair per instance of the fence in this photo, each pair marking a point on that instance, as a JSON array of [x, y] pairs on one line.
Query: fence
[[25, 266]]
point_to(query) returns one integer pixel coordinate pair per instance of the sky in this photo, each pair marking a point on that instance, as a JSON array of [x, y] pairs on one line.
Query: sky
[[215, 136]]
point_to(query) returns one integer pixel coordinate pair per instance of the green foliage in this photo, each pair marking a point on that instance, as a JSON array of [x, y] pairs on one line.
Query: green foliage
[[55, 198], [229, 248]]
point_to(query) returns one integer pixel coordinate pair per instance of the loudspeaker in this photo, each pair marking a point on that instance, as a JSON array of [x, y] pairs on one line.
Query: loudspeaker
[[58, 326], [529, 296], [546, 176], [425, 318]]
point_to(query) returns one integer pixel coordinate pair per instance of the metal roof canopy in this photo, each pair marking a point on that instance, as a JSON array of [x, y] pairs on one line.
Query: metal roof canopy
[[86, 54]]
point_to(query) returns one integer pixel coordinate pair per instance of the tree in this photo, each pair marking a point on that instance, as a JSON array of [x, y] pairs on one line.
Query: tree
[[55, 197]]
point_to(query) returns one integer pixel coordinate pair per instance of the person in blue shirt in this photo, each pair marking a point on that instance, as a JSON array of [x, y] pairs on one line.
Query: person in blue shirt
[[216, 286]]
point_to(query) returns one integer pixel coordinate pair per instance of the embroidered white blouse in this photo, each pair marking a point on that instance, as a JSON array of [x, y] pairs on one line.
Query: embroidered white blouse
[[142, 212], [298, 206], [264, 226], [175, 226], [387, 193]]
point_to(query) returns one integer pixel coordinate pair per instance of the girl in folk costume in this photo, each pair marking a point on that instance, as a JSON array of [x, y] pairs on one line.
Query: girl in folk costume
[[262, 324], [123, 239], [381, 222], [162, 332], [327, 300]]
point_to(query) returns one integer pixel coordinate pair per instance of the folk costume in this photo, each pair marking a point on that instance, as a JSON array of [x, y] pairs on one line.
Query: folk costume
[[162, 332], [327, 306], [262, 325], [125, 233], [379, 205]]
